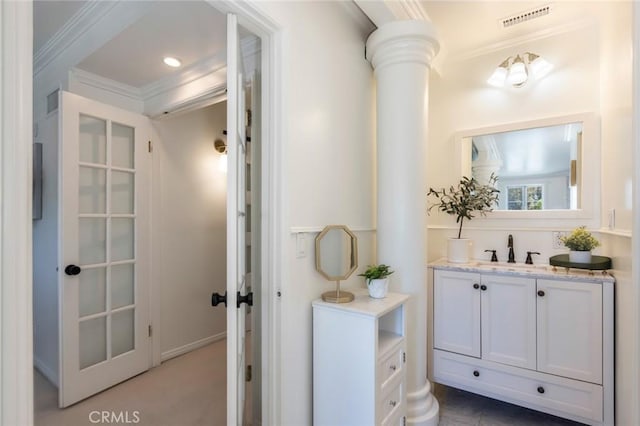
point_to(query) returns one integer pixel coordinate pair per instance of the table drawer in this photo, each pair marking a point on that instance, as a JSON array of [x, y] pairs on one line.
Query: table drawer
[[392, 404], [536, 390], [391, 367]]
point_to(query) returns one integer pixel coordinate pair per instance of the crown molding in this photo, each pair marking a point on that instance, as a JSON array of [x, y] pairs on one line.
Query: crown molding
[[81, 22], [97, 81], [193, 72], [386, 11], [250, 46], [518, 41]]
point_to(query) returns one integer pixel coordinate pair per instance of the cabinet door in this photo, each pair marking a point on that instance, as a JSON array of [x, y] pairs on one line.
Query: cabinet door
[[570, 329], [509, 320], [456, 312]]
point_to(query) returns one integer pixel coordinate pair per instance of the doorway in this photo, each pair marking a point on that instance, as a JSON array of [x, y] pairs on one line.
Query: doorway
[[175, 247]]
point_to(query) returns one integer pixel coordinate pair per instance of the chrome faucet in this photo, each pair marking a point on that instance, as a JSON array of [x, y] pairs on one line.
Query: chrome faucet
[[512, 258]]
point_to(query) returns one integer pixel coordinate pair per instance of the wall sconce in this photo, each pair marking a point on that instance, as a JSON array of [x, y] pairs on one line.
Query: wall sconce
[[221, 146], [516, 71]]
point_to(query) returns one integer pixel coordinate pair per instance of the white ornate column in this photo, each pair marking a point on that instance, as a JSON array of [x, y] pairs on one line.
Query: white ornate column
[[401, 53]]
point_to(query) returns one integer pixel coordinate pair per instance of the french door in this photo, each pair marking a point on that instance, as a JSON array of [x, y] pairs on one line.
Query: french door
[[104, 253]]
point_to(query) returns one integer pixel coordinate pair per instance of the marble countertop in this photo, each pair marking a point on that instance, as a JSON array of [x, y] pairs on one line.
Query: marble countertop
[[524, 270]]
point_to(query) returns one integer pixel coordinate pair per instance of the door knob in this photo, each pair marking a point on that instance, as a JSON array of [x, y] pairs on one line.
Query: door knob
[[217, 298], [72, 270], [248, 299], [540, 293]]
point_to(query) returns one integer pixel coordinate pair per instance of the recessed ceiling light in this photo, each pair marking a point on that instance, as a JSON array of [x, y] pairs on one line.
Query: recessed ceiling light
[[172, 62]]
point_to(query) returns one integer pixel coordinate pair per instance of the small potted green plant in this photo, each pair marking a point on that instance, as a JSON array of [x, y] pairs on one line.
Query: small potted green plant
[[377, 279], [463, 202], [580, 242]]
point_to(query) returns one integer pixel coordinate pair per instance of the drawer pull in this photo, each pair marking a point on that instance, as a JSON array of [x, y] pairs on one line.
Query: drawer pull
[[483, 287], [476, 286], [392, 367], [393, 403], [540, 293], [540, 389], [476, 373]]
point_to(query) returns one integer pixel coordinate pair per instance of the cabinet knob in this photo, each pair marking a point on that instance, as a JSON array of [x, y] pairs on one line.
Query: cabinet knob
[[540, 293], [393, 403], [483, 287], [476, 286], [476, 373], [540, 389], [392, 367]]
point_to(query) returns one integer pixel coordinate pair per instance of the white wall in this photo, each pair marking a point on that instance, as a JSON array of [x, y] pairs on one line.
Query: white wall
[[189, 237], [329, 153], [45, 255], [592, 74]]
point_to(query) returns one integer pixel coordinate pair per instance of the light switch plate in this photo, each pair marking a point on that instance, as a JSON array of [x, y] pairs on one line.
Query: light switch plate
[[301, 245]]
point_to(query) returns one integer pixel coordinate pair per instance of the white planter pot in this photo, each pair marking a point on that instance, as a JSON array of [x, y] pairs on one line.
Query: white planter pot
[[579, 256], [458, 250], [379, 288]]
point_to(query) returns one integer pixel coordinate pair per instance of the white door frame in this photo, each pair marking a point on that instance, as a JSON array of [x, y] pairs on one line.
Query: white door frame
[[16, 326], [16, 121]]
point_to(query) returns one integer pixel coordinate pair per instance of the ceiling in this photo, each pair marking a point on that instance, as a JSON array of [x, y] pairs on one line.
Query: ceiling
[[193, 30], [188, 30]]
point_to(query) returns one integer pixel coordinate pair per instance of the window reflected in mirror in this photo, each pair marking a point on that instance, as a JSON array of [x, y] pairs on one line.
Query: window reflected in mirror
[[538, 168]]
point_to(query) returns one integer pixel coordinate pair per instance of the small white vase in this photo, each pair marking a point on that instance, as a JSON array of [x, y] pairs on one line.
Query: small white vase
[[378, 288], [579, 256], [458, 250]]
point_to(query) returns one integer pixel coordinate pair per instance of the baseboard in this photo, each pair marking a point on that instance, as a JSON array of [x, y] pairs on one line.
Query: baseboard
[[172, 353], [47, 372]]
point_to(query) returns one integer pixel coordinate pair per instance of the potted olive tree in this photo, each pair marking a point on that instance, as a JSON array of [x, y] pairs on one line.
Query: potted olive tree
[[376, 277], [470, 197], [580, 242]]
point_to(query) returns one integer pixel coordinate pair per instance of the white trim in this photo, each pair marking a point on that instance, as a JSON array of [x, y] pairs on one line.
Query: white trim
[[95, 80], [16, 271], [81, 22], [181, 350], [46, 371], [196, 71], [514, 42], [316, 229], [635, 242]]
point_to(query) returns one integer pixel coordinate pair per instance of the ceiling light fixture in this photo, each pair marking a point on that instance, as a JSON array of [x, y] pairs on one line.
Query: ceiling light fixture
[[517, 70], [171, 61]]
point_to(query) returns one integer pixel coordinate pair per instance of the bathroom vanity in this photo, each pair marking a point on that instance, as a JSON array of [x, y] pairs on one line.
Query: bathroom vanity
[[531, 335]]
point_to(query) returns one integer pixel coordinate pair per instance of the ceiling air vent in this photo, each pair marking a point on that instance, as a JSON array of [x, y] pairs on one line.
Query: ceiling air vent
[[525, 16]]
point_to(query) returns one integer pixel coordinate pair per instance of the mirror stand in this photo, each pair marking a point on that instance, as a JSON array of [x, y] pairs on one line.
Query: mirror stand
[[337, 296]]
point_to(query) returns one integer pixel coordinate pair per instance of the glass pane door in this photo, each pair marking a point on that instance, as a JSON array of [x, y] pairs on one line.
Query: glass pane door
[[106, 230]]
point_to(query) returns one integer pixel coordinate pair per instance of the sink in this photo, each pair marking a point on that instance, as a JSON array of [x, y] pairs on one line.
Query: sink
[[504, 266]]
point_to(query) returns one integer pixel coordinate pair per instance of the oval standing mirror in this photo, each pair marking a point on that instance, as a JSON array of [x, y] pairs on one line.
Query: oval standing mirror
[[336, 259]]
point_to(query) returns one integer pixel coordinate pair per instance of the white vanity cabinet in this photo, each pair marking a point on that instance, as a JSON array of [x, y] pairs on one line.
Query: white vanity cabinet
[[541, 339], [359, 361]]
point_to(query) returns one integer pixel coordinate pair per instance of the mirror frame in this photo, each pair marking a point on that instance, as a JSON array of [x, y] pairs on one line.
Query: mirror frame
[[354, 252], [589, 211]]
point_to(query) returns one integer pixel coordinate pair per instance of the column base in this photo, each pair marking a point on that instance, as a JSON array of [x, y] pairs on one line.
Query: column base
[[422, 407]]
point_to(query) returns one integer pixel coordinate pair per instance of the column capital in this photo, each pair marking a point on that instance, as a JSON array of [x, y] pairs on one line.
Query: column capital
[[412, 41]]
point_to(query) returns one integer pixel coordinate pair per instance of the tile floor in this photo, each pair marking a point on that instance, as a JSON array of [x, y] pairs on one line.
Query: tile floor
[[460, 408]]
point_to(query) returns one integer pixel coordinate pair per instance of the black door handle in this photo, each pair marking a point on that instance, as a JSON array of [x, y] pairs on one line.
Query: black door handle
[[217, 298], [248, 299], [72, 270]]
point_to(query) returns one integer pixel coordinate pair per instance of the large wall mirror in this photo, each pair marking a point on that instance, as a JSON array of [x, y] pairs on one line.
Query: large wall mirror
[[546, 168]]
